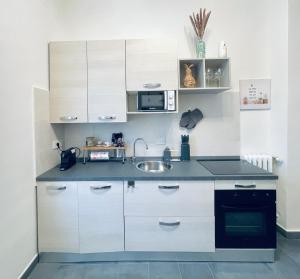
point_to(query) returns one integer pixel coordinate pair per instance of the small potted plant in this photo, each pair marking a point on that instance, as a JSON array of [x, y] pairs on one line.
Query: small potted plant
[[199, 22]]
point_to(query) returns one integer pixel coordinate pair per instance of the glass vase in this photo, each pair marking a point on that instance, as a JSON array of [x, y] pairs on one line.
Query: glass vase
[[200, 48]]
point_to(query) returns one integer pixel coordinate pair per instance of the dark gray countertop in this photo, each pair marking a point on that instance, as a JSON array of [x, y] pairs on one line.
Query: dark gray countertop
[[189, 170]]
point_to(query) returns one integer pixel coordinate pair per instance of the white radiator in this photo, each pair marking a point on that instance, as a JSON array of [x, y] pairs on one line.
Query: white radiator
[[263, 161]]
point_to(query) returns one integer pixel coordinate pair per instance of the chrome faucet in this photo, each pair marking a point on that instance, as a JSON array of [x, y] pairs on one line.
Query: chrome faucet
[[138, 139]]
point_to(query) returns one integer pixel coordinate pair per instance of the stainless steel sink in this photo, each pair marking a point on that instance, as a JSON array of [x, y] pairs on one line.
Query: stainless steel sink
[[153, 166]]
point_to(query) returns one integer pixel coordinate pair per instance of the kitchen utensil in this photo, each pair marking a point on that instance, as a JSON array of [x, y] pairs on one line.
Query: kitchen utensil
[[218, 77], [185, 148], [209, 77]]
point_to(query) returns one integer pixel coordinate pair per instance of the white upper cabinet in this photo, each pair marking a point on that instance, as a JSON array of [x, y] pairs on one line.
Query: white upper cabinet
[[151, 64], [106, 81], [68, 82]]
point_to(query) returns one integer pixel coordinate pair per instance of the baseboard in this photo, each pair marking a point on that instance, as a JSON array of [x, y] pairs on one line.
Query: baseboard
[[219, 255], [288, 234], [29, 267]]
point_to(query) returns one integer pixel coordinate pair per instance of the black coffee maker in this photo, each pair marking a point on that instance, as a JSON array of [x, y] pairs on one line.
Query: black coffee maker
[[67, 158]]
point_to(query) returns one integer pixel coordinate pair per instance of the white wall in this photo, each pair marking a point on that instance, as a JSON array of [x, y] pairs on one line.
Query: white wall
[[25, 28], [242, 24], [293, 190], [45, 133], [277, 142]]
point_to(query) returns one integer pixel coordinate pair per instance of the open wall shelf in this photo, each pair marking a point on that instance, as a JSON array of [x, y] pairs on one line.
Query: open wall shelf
[[212, 75]]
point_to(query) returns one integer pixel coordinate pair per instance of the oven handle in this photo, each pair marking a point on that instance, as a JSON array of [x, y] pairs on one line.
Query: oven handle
[[251, 186], [245, 208]]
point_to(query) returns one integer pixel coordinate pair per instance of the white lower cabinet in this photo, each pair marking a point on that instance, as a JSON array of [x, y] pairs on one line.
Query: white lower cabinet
[[169, 216], [57, 217], [101, 221], [88, 217], [170, 234]]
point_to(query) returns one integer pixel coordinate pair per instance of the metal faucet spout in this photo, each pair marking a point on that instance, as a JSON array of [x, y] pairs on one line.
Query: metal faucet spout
[[134, 144]]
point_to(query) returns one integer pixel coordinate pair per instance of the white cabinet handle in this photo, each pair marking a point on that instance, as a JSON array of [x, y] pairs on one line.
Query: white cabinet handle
[[100, 187], [57, 188], [152, 85], [68, 118], [169, 224], [251, 186], [107, 117], [169, 187]]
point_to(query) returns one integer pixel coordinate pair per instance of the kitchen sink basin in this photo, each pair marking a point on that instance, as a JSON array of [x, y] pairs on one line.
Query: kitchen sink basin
[[153, 166]]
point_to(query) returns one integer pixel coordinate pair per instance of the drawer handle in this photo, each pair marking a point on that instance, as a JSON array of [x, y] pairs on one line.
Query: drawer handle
[[57, 188], [100, 187], [152, 85], [169, 224], [68, 118], [169, 187], [107, 117], [251, 186]]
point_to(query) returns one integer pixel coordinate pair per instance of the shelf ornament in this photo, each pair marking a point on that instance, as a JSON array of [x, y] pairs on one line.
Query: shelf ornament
[[199, 22], [189, 81]]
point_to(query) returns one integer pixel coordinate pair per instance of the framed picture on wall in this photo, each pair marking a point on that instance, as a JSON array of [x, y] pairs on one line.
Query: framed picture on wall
[[255, 94]]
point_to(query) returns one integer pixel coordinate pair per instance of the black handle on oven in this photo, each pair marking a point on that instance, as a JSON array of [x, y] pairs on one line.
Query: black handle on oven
[[251, 186], [244, 208]]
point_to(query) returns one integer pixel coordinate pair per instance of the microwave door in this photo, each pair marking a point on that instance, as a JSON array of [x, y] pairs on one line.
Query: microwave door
[[151, 101]]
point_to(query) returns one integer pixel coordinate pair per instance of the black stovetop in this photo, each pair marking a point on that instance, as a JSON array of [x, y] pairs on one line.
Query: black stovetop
[[234, 167]]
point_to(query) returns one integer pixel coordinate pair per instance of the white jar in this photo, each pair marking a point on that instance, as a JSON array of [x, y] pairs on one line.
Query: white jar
[[222, 50]]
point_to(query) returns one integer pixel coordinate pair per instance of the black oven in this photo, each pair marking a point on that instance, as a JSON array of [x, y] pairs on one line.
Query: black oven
[[245, 219]]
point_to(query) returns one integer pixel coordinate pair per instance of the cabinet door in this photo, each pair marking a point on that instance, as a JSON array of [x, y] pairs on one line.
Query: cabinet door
[[68, 82], [170, 234], [106, 81], [169, 198], [58, 217], [101, 222], [151, 64]]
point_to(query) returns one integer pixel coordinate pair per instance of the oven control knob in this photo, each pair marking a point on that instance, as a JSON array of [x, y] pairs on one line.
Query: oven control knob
[[267, 195], [253, 195]]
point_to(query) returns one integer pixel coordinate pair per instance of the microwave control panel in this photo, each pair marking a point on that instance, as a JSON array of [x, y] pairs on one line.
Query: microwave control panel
[[171, 100]]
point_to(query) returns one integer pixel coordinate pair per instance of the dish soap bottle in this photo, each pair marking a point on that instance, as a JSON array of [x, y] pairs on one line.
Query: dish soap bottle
[[167, 155]]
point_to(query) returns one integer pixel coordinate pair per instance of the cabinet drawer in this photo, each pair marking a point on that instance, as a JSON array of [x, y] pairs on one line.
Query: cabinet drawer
[[185, 234], [57, 217], [101, 221], [245, 184], [169, 198]]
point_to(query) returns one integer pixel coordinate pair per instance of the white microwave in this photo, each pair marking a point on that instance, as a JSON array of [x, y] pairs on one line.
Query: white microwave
[[156, 100]]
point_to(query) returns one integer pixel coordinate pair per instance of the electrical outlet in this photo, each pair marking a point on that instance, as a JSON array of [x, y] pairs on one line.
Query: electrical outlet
[[54, 144]]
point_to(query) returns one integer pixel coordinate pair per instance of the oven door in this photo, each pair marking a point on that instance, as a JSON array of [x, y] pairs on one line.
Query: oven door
[[151, 100], [247, 222]]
